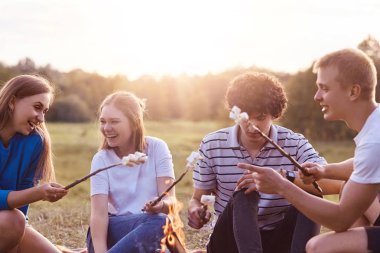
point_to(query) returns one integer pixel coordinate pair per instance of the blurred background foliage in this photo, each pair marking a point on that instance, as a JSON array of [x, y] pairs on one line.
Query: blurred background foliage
[[195, 98]]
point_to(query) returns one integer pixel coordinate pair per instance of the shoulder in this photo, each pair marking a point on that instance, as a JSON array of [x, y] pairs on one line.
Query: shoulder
[[285, 134], [156, 146], [220, 135], [154, 142], [101, 155]]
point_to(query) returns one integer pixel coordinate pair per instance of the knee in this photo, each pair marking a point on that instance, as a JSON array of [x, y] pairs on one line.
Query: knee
[[12, 221], [241, 197], [314, 245]]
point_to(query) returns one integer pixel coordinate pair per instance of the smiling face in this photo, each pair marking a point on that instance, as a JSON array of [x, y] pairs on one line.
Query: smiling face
[[331, 95], [28, 112], [116, 129]]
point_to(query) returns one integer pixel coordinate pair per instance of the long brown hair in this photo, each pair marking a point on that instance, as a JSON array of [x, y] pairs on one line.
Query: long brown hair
[[133, 108], [25, 86]]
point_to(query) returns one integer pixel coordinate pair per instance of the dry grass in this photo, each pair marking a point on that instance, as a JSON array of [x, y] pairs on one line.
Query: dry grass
[[66, 221]]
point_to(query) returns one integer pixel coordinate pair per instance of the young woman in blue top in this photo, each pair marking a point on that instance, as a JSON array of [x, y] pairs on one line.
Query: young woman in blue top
[[25, 158]]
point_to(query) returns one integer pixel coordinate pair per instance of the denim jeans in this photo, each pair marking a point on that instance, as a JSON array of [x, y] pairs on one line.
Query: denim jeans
[[237, 231], [133, 233]]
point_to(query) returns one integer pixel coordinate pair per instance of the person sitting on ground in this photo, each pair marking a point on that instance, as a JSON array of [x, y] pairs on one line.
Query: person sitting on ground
[[346, 82], [25, 159], [255, 222], [118, 195]]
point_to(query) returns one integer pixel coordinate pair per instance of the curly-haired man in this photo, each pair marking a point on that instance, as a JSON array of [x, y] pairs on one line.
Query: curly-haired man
[[254, 222]]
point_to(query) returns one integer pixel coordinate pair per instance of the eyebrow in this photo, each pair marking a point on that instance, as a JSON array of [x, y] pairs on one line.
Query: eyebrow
[[40, 104]]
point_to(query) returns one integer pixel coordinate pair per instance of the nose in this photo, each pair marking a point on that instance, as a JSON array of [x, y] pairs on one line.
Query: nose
[[41, 117], [317, 96], [107, 127]]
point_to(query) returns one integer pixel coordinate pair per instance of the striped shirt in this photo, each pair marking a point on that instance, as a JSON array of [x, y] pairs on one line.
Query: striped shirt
[[222, 152]]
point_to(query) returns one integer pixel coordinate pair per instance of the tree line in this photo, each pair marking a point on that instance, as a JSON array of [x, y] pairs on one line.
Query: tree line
[[79, 93]]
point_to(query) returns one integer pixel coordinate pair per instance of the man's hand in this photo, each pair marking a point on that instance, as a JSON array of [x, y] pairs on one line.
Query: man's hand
[[246, 181], [315, 170], [262, 179], [198, 216]]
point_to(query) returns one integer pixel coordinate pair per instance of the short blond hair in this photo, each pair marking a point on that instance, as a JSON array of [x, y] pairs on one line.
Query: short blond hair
[[354, 67]]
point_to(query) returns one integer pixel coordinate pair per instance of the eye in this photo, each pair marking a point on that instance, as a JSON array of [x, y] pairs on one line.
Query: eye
[[260, 117]]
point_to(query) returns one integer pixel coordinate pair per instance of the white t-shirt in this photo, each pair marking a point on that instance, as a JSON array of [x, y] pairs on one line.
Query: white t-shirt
[[367, 152], [129, 188]]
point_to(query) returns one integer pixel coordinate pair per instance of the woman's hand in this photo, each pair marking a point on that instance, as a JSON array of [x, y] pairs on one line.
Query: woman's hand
[[158, 208], [51, 192]]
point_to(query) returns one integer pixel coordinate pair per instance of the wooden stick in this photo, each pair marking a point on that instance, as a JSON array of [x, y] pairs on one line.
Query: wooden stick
[[283, 152], [155, 202], [90, 175]]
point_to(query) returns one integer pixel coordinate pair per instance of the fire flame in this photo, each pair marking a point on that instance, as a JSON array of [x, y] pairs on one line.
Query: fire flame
[[174, 238]]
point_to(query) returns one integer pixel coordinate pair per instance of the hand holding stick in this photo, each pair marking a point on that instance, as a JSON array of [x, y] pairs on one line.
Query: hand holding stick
[[206, 200], [239, 117], [130, 160]]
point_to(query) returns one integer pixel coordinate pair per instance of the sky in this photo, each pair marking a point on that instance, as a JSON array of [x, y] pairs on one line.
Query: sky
[[173, 37]]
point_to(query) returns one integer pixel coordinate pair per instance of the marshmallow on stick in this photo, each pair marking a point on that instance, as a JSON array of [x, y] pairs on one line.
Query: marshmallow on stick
[[129, 160], [239, 117], [208, 200], [192, 160]]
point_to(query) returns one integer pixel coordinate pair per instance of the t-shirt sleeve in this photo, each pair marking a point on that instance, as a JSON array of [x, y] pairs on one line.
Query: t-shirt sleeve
[[163, 160], [367, 164], [100, 181], [27, 179], [203, 175], [306, 152]]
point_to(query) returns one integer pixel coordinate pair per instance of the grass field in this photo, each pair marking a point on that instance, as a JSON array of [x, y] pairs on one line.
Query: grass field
[[65, 222]]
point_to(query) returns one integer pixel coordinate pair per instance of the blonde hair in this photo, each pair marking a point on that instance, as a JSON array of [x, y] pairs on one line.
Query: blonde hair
[[354, 67], [133, 108], [25, 86]]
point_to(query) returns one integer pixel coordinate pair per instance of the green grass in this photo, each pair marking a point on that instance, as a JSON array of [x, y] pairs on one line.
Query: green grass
[[66, 221]]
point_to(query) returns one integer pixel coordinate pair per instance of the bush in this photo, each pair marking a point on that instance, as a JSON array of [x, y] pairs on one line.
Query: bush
[[69, 109]]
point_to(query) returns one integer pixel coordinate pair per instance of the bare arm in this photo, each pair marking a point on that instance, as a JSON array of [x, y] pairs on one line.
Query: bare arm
[[99, 222], [336, 171], [196, 215], [169, 200], [328, 186], [49, 192], [355, 200]]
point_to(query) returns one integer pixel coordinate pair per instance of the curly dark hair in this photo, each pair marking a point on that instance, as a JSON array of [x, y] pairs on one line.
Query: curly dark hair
[[257, 93]]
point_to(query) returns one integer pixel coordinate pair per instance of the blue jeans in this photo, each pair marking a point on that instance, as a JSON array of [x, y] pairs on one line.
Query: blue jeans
[[133, 233], [237, 230]]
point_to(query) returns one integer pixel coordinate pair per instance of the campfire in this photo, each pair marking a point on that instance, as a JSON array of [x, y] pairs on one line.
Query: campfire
[[174, 238]]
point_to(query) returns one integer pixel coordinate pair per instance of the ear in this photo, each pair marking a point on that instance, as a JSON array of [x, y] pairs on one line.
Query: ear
[[355, 91], [11, 105]]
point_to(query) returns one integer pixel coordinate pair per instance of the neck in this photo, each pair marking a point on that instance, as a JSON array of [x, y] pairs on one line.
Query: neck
[[124, 151], [252, 147], [359, 114]]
